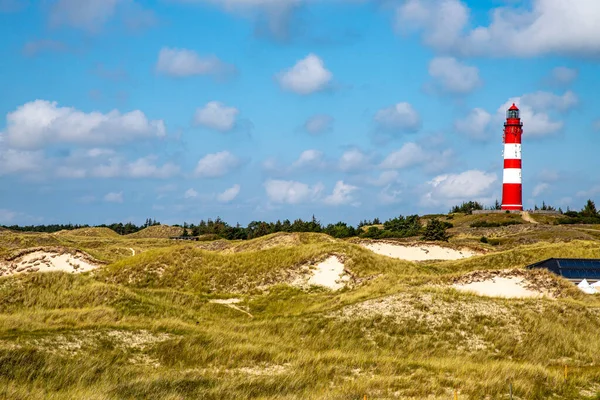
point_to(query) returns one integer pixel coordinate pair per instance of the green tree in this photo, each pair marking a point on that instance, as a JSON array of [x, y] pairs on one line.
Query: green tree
[[435, 230], [590, 209]]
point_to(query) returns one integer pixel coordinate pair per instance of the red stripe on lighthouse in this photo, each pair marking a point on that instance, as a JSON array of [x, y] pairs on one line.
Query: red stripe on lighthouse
[[512, 163]]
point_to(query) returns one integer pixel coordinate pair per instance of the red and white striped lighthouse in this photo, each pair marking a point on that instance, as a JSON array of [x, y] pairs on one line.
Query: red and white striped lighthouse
[[512, 189]]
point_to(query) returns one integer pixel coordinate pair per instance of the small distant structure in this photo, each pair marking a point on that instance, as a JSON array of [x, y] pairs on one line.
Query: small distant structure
[[573, 269], [184, 238]]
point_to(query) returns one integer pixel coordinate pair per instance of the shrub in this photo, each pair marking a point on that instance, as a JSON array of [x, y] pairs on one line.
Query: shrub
[[483, 239], [435, 230], [467, 207]]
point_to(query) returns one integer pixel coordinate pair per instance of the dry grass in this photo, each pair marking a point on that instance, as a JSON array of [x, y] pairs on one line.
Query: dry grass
[[157, 232], [89, 232], [145, 325]]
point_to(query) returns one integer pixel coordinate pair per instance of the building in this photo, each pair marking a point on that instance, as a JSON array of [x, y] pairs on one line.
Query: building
[[573, 269], [512, 189]]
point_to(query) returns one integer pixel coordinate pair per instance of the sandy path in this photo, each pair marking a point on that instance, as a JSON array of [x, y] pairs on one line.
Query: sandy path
[[528, 218], [231, 303], [417, 253], [512, 287]]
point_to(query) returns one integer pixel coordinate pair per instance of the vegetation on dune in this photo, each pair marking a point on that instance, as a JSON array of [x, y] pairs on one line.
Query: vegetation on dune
[[157, 232], [588, 215], [147, 326], [494, 224]]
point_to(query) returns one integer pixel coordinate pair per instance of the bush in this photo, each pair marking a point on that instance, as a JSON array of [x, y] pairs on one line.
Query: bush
[[435, 230], [483, 239], [467, 207]]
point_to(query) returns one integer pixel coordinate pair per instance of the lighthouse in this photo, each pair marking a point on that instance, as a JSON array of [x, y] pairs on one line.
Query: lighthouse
[[512, 189]]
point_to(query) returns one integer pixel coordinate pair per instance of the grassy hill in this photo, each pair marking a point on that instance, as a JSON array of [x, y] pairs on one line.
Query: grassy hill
[[89, 232], [157, 232], [148, 326]]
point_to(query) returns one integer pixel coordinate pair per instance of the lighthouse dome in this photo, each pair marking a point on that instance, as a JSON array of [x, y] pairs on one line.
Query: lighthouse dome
[[513, 112]]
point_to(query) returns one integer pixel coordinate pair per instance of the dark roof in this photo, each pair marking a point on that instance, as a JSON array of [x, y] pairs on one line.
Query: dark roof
[[183, 238], [571, 268]]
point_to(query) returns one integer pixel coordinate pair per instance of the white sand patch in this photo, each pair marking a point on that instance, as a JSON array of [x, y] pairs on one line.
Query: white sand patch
[[47, 261], [417, 253], [225, 301], [329, 273], [511, 287]]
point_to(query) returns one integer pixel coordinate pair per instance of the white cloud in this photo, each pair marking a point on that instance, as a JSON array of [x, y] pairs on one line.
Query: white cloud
[[591, 192], [216, 165], [71, 172], [513, 31], [310, 159], [549, 101], [291, 192], [475, 124], [318, 124], [229, 194], [452, 76], [442, 21], [309, 75], [385, 178], [114, 197], [217, 116], [408, 155], [190, 194], [182, 63], [563, 75], [389, 195], [399, 117], [452, 188], [41, 122], [89, 15], [539, 189], [272, 16], [534, 108], [141, 168], [342, 194], [99, 152], [353, 160], [16, 161]]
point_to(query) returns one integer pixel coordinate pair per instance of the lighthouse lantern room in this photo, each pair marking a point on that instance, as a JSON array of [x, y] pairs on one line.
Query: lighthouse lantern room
[[512, 189]]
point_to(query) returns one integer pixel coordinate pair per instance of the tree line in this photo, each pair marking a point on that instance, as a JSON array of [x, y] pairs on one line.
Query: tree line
[[397, 227]]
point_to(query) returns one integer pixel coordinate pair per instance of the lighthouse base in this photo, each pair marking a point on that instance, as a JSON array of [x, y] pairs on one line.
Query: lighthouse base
[[512, 207]]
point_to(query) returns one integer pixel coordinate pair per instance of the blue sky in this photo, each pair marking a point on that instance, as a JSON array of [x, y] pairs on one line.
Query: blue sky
[[120, 110]]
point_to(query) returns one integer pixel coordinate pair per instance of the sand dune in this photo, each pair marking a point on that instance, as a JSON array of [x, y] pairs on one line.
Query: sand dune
[[329, 273], [511, 287], [417, 253], [47, 261]]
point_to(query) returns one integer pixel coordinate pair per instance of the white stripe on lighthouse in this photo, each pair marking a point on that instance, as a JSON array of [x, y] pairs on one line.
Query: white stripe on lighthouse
[[512, 175], [512, 151]]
